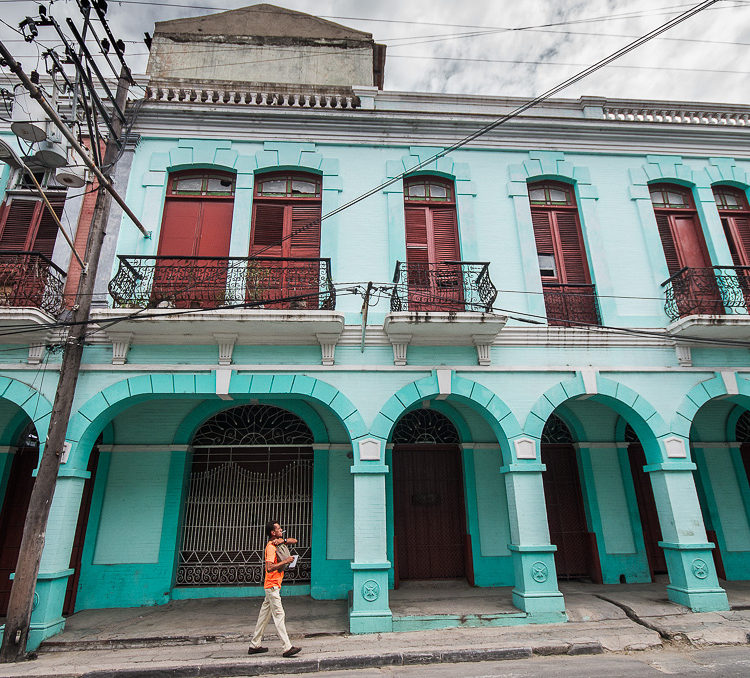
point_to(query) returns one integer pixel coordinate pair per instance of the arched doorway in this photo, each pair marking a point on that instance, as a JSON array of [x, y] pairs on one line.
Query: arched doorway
[[644, 493], [565, 511], [742, 436], [15, 506], [250, 464], [428, 498]]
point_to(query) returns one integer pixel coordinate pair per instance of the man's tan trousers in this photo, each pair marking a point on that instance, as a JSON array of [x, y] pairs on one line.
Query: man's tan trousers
[[271, 607]]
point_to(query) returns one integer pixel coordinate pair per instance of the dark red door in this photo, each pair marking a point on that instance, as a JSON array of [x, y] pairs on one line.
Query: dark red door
[[429, 522], [17, 496], [565, 512], [647, 508], [80, 534]]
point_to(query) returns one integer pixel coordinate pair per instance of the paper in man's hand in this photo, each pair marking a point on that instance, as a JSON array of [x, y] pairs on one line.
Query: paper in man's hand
[[293, 564]]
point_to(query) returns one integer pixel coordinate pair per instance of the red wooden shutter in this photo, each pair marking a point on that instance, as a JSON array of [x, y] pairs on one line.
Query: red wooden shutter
[[741, 243], [215, 228], [46, 233], [20, 220], [668, 243], [180, 226], [542, 231], [306, 243], [268, 229], [571, 245], [416, 235], [444, 234]]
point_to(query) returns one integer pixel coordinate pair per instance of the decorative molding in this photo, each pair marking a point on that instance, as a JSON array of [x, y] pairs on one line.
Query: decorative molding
[[675, 448], [483, 343], [328, 343], [684, 355], [36, 353], [120, 346], [444, 378], [588, 375], [369, 449], [730, 382], [525, 448], [143, 448], [400, 343], [226, 344]]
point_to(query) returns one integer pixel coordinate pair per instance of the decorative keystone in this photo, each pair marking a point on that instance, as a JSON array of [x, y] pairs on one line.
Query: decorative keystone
[[444, 383], [730, 382], [120, 346], [588, 374], [400, 343], [675, 447], [327, 348], [525, 448], [369, 449], [226, 344], [223, 377]]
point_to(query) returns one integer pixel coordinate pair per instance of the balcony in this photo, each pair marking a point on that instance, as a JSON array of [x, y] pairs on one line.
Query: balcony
[[221, 282], [30, 279], [449, 286], [719, 290], [571, 305]]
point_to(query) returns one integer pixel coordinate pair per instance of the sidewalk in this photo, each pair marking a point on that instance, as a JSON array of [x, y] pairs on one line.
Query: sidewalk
[[210, 637]]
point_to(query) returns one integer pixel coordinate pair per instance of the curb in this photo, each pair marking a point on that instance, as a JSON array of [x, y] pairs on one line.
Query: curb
[[351, 662]]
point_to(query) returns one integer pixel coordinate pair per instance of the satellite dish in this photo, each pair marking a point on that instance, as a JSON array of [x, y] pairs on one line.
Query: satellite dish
[[71, 176], [28, 119]]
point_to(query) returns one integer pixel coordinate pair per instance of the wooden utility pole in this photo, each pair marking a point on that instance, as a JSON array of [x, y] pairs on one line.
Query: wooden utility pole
[[34, 529]]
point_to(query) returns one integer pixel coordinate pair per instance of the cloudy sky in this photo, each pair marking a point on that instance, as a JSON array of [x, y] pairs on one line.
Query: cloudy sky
[[478, 47]]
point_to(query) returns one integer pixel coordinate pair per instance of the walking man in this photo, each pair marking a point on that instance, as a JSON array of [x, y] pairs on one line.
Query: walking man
[[271, 606]]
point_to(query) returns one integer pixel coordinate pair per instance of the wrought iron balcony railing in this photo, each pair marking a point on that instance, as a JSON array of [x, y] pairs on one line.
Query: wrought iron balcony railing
[[444, 286], [212, 282], [719, 290], [31, 279], [571, 305]]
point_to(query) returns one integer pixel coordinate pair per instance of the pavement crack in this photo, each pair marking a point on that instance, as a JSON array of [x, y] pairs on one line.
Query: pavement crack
[[630, 613]]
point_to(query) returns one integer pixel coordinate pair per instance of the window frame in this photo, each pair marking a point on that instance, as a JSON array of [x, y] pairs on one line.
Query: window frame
[[289, 176], [426, 180], [205, 175]]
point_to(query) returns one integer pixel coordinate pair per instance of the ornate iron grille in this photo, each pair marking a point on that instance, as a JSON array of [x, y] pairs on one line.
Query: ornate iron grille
[[210, 282], [571, 305], [717, 290], [742, 430], [425, 426], [254, 425], [556, 432], [444, 286], [247, 468], [31, 279]]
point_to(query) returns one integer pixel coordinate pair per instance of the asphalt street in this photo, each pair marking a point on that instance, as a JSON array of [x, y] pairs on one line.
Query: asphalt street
[[727, 662]]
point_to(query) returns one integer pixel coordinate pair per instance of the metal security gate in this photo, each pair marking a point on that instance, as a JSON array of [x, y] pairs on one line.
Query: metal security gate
[[236, 486]]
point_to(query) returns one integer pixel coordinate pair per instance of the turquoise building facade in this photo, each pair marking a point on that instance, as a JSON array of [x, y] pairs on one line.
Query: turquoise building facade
[[520, 390]]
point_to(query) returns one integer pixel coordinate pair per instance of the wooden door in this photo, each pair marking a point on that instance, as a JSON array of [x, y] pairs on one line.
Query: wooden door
[[15, 506], [644, 493], [429, 521], [565, 512]]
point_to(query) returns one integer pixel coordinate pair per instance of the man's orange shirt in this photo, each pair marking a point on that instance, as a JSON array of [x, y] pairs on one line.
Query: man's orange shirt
[[272, 578]]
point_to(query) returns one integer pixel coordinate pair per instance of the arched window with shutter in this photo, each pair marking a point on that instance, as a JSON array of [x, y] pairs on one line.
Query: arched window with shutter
[[285, 239], [691, 278], [568, 293], [26, 224], [432, 247], [735, 219], [191, 267]]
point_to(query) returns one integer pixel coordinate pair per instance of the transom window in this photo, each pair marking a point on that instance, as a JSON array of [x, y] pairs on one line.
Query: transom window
[[427, 189], [730, 198], [669, 196], [287, 186], [202, 184], [552, 193]]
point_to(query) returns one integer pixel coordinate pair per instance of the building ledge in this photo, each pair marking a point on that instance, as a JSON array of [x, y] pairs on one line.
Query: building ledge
[[730, 327], [226, 328], [442, 328]]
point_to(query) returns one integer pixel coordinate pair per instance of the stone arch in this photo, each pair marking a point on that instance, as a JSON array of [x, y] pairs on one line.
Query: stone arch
[[33, 404], [446, 385], [91, 417], [642, 416], [444, 408], [726, 384]]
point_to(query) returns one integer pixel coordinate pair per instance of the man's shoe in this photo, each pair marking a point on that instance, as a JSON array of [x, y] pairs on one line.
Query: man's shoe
[[291, 651], [256, 650]]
